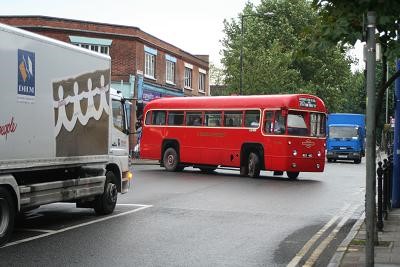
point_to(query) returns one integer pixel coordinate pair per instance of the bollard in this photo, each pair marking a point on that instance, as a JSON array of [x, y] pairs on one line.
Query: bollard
[[390, 177], [386, 197], [379, 171]]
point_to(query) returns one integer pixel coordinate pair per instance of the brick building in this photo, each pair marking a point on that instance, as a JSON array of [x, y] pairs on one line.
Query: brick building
[[142, 65]]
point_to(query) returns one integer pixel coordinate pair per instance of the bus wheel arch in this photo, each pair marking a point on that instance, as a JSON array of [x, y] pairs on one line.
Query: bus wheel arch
[[170, 158], [251, 159]]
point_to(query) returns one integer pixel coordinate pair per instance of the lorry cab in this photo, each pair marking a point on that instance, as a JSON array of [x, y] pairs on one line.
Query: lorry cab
[[346, 137], [119, 136]]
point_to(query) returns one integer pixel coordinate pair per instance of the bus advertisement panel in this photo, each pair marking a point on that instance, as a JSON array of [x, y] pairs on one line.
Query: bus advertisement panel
[[253, 133]]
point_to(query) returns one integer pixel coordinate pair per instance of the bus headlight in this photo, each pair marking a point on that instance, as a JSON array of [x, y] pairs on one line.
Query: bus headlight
[[319, 153], [295, 152]]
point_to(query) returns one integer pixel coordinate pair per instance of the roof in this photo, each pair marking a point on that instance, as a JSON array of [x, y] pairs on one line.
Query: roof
[[294, 101]]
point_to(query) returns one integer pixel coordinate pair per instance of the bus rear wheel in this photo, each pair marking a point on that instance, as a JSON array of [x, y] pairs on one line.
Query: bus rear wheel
[[254, 165], [292, 175], [171, 160]]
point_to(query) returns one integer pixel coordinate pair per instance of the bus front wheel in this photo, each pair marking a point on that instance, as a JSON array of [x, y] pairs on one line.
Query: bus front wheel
[[292, 175], [254, 165], [170, 159]]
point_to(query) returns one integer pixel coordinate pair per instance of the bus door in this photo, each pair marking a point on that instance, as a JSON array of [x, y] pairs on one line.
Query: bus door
[[191, 140], [275, 144], [154, 134], [212, 138]]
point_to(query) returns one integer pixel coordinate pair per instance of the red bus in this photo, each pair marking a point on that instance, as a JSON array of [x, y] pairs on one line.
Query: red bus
[[262, 132]]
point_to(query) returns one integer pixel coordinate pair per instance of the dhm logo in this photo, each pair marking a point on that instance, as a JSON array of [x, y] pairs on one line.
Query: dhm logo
[[26, 73]]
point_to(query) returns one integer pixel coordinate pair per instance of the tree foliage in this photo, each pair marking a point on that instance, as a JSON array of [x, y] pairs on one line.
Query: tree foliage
[[344, 22], [277, 56]]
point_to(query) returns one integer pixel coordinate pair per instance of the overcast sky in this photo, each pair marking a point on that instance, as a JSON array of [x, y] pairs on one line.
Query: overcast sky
[[194, 26]]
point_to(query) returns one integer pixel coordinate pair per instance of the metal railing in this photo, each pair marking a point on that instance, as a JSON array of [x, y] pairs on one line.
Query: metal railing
[[384, 177]]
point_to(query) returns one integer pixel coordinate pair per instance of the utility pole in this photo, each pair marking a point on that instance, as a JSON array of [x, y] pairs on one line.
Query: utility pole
[[387, 94], [370, 205], [396, 146], [241, 55]]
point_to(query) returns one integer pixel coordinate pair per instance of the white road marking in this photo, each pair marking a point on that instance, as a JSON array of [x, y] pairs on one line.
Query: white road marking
[[34, 230], [134, 205], [141, 207], [303, 251], [318, 251]]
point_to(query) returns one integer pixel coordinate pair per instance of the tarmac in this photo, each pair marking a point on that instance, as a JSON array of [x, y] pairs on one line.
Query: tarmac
[[351, 252]]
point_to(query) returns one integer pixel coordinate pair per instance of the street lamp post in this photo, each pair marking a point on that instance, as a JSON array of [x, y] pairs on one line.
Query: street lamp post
[[267, 14]]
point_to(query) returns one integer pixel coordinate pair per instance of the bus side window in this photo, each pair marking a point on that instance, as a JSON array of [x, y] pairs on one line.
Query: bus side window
[[279, 123], [317, 124], [268, 121], [194, 118], [159, 117], [233, 118], [252, 118], [148, 118], [175, 117], [213, 118]]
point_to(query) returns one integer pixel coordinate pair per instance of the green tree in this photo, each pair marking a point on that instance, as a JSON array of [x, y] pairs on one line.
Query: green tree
[[342, 22], [277, 56], [216, 75]]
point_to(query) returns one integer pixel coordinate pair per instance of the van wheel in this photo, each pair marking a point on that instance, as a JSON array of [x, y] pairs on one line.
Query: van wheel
[[292, 175], [254, 165], [170, 159], [7, 215], [105, 203]]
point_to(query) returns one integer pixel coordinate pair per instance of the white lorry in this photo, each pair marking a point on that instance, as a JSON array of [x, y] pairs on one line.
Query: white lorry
[[63, 130]]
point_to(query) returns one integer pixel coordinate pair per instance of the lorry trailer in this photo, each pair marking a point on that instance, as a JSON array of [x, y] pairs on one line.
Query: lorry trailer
[[63, 130]]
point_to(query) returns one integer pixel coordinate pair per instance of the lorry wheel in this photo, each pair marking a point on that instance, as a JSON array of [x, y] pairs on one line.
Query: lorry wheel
[[292, 175], [170, 159], [254, 165], [7, 215], [105, 203]]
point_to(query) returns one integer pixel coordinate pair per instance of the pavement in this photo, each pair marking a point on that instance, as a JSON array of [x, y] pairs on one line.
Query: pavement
[[387, 252], [351, 252]]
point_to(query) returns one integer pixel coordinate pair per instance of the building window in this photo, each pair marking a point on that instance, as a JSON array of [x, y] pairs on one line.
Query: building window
[[170, 76], [188, 78], [96, 48], [99, 45], [202, 82], [150, 65], [104, 50]]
